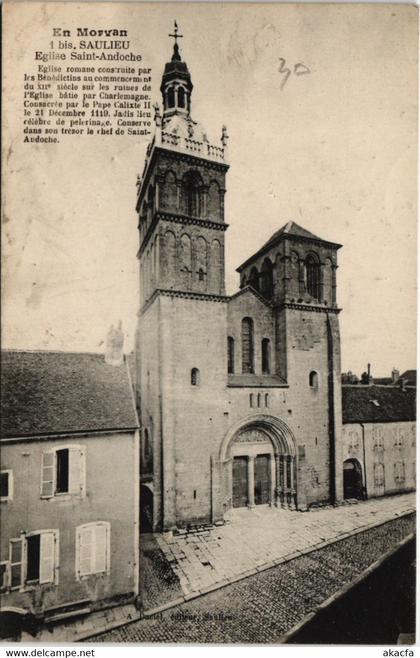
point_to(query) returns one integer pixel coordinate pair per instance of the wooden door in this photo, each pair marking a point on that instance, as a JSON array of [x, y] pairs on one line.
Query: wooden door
[[262, 479], [240, 482]]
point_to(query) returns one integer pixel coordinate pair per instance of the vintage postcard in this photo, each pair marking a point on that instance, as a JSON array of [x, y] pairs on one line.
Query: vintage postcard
[[209, 323]]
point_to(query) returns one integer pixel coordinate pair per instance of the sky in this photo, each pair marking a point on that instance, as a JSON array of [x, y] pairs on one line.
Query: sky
[[333, 149]]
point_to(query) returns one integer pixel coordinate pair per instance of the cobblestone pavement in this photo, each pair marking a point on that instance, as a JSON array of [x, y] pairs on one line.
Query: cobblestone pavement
[[265, 536], [263, 607]]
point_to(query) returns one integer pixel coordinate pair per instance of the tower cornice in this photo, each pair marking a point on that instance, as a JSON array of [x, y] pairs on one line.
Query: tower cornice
[[307, 307], [201, 296]]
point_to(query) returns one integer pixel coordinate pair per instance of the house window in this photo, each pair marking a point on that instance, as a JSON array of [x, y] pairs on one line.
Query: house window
[[93, 549], [378, 475], [63, 472], [4, 575], [195, 377], [201, 274], [399, 472], [313, 379], [231, 354], [6, 485], [265, 356], [247, 345], [312, 276], [33, 558], [378, 438]]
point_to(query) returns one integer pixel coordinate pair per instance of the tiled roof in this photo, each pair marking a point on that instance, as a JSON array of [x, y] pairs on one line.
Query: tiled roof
[[410, 376], [291, 228], [378, 404], [63, 392]]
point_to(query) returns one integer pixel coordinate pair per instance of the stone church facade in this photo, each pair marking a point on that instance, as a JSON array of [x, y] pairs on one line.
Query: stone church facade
[[239, 396]]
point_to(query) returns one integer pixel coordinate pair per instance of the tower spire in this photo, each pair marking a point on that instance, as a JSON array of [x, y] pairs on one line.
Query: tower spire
[[176, 56], [176, 84]]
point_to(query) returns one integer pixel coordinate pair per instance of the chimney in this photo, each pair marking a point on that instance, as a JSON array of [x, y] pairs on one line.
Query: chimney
[[114, 354], [368, 372], [395, 375]]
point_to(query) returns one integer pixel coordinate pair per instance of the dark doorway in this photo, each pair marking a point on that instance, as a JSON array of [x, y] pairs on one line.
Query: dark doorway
[[262, 480], [146, 509], [240, 482], [352, 479]]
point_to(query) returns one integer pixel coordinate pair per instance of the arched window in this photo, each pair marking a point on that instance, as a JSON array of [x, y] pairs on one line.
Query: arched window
[[247, 345], [266, 399], [231, 354], [259, 400], [313, 379], [312, 276], [265, 356], [254, 279], [191, 194], [195, 377], [267, 278], [171, 97], [181, 97]]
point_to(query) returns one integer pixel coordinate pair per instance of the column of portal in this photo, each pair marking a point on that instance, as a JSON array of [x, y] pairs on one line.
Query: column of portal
[[273, 480], [251, 486]]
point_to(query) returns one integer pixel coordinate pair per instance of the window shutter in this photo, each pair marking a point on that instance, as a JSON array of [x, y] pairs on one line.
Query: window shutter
[[16, 562], [47, 475], [46, 559], [85, 550], [101, 548], [76, 470]]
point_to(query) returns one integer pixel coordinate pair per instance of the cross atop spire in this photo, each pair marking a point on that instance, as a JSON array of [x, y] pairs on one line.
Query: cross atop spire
[[175, 35]]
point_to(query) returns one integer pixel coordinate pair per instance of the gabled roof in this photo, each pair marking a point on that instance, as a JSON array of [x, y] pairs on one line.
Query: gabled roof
[[63, 392], [290, 229], [378, 404], [252, 291]]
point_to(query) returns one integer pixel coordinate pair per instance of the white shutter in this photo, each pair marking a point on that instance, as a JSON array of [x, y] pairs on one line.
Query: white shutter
[[16, 562], [48, 474], [46, 558], [100, 548], [76, 470], [85, 547]]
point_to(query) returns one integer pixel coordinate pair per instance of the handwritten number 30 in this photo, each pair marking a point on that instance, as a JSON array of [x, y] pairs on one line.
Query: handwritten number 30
[[298, 69]]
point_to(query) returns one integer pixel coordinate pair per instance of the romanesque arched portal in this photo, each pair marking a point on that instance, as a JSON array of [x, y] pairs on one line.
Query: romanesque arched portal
[[258, 460]]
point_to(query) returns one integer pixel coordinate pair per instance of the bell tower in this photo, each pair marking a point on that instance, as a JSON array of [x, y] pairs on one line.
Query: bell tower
[[180, 201], [181, 331]]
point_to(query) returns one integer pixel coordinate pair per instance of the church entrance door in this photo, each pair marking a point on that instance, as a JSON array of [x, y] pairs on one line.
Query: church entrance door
[[262, 479], [240, 482], [352, 479]]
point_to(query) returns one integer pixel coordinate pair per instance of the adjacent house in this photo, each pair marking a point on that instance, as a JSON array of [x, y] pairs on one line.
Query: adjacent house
[[69, 485], [378, 440]]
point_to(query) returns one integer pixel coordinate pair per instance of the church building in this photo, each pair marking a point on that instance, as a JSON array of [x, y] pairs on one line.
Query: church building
[[239, 396]]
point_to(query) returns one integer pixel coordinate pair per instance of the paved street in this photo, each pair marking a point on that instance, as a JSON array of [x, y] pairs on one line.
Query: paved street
[[266, 536], [263, 607]]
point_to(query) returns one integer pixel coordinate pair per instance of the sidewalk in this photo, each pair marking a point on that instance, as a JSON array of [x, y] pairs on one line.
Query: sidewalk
[[254, 540]]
